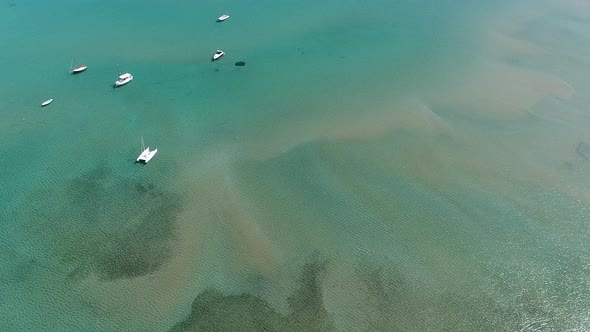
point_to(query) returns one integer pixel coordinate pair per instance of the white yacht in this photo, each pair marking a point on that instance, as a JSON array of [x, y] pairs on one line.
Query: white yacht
[[222, 18], [218, 55], [78, 70], [147, 154], [123, 79], [47, 102]]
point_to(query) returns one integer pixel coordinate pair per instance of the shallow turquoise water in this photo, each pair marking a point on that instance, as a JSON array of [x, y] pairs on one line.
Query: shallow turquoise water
[[375, 166]]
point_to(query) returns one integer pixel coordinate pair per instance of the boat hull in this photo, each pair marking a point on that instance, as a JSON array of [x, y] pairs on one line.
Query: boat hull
[[146, 156], [47, 102], [121, 83], [79, 70]]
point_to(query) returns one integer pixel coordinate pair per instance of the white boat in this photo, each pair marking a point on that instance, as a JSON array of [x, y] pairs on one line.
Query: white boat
[[123, 79], [222, 18], [218, 55], [147, 154], [78, 70], [47, 102]]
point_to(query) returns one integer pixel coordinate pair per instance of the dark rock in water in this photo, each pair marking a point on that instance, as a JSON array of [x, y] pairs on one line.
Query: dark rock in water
[[583, 150], [240, 63]]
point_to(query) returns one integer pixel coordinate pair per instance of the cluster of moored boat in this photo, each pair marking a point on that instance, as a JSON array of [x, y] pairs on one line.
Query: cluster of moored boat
[[121, 80], [146, 154]]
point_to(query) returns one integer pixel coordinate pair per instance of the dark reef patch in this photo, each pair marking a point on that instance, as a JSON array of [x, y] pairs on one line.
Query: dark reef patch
[[583, 150], [105, 224], [581, 158], [240, 63], [213, 311], [306, 307], [385, 306]]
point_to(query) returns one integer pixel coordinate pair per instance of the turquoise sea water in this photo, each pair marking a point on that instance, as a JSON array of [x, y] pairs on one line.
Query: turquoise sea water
[[375, 166]]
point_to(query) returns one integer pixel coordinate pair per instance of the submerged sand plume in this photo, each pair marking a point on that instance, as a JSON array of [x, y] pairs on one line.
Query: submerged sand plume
[[411, 115], [243, 234], [500, 90]]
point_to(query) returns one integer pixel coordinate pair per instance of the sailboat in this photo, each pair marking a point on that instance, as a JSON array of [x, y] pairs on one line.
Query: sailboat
[[78, 69], [147, 154]]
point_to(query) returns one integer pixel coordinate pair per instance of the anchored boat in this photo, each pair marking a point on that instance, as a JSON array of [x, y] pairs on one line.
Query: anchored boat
[[147, 154], [47, 102], [218, 55], [123, 79], [78, 69]]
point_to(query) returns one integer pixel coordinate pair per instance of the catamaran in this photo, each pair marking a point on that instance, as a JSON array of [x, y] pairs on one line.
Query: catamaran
[[147, 154]]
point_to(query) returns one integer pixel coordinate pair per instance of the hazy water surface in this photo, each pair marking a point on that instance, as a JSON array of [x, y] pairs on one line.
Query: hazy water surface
[[375, 166]]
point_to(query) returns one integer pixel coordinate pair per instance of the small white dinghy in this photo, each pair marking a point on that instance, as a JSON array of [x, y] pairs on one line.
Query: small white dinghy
[[218, 55], [47, 102], [147, 154], [222, 18], [123, 79]]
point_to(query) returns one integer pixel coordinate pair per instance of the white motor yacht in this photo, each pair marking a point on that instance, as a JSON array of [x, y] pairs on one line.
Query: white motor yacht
[[123, 79], [222, 18], [218, 55]]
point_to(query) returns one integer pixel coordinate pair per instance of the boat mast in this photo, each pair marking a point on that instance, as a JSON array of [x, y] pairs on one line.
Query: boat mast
[[142, 145]]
